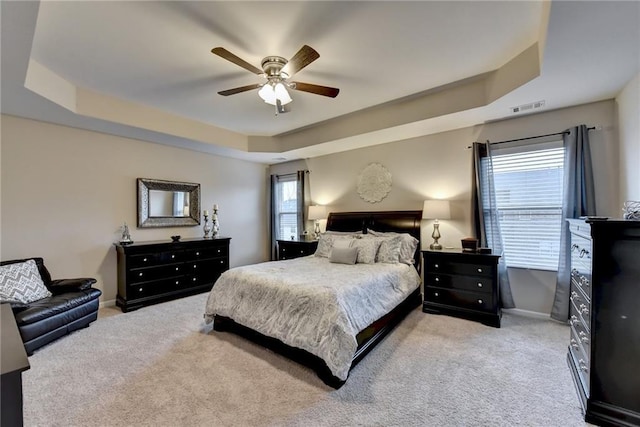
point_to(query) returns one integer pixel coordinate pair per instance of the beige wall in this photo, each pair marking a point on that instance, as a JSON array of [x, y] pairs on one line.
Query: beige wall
[[628, 109], [66, 192], [439, 166]]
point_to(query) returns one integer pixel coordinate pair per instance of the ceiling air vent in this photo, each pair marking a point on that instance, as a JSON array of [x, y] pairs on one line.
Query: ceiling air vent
[[527, 107]]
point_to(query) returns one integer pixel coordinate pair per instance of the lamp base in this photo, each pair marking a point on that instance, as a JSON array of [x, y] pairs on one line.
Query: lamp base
[[435, 246]]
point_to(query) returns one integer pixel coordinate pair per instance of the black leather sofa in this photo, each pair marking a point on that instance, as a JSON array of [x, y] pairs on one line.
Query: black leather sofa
[[73, 305]]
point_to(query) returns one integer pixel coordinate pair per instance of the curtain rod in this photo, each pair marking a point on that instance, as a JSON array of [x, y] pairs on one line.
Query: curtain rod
[[533, 137]]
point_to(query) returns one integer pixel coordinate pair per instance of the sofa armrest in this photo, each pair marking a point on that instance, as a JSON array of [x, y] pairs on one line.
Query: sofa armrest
[[68, 285]]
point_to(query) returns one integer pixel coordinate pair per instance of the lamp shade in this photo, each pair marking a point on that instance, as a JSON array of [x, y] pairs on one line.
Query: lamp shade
[[317, 212], [436, 209]]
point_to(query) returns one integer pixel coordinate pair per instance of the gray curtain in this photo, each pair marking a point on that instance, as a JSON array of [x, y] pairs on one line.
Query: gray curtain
[[275, 219], [301, 201], [485, 215], [579, 200]]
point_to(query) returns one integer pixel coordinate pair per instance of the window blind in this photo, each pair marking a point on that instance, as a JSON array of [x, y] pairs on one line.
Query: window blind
[[528, 189]]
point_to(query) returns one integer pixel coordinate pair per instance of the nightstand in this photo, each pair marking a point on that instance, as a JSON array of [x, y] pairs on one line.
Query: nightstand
[[463, 284], [289, 249]]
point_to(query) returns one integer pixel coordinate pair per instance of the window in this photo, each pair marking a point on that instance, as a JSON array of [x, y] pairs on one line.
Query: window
[[287, 207], [528, 188]]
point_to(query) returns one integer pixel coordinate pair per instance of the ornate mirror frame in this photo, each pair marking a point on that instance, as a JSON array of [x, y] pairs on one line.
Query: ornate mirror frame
[[144, 185]]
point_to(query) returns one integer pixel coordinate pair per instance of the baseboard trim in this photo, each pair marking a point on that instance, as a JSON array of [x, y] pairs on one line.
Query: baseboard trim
[[527, 313], [109, 303]]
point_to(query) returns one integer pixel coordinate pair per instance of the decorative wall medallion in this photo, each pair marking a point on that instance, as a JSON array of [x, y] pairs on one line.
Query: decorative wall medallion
[[374, 183]]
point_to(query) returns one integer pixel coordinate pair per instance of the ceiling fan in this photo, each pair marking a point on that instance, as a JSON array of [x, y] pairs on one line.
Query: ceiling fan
[[277, 71]]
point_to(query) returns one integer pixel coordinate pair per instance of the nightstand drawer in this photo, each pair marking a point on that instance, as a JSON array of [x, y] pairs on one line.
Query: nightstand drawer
[[460, 299], [289, 249], [440, 264], [468, 283]]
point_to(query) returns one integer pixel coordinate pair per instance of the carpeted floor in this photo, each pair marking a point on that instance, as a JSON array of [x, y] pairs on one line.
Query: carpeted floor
[[161, 366]]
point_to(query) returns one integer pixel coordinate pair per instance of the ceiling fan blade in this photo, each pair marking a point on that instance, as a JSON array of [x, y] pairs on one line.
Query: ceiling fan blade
[[238, 89], [317, 89], [305, 56], [224, 53]]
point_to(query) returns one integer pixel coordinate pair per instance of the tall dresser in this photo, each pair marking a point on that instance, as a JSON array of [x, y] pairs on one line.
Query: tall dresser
[[150, 272], [604, 347]]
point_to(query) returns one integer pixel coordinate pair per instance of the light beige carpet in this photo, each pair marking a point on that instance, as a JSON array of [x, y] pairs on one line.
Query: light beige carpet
[[161, 366]]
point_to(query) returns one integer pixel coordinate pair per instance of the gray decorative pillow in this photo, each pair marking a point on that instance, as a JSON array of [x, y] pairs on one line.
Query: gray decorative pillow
[[367, 249], [408, 245], [21, 282], [343, 255], [326, 242], [389, 251]]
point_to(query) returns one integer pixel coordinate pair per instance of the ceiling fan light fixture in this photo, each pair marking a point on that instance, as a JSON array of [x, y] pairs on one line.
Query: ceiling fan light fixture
[[267, 94], [282, 94]]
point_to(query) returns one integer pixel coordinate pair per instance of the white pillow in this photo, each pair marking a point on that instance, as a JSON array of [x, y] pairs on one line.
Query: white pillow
[[21, 282], [343, 255]]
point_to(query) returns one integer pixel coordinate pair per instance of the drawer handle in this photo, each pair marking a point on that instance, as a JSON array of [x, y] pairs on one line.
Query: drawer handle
[[221, 261], [140, 290], [283, 250], [302, 252], [139, 274], [574, 246], [173, 256], [584, 309], [436, 266], [479, 270], [218, 250], [177, 268], [177, 282], [195, 266], [437, 279], [144, 260], [574, 343], [194, 279], [574, 272], [584, 253], [573, 320], [435, 294], [583, 337], [197, 253], [480, 301], [583, 365], [479, 284]]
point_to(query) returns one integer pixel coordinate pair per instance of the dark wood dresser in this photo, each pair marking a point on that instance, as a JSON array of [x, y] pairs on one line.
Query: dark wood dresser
[[13, 362], [288, 249], [604, 347], [463, 284], [150, 272]]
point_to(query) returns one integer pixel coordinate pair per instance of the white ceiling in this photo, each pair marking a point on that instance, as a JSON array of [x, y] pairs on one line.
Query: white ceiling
[[156, 56]]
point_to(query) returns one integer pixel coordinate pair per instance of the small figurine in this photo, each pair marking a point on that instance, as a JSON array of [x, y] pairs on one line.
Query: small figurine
[[126, 237]]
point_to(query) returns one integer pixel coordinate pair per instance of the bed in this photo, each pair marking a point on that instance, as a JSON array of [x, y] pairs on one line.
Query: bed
[[322, 314]]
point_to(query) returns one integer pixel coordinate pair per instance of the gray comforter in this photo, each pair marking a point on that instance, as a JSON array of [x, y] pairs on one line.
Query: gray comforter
[[312, 304]]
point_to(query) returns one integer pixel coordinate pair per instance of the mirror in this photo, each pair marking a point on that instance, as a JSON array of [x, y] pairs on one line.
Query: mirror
[[168, 203]]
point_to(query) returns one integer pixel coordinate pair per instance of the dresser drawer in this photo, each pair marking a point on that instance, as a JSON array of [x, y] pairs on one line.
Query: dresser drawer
[[580, 308], [207, 253], [460, 299], [442, 265], [580, 356], [154, 273], [152, 259], [156, 287], [479, 284]]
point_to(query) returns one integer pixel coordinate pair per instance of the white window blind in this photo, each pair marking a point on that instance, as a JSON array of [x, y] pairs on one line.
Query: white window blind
[[287, 207], [529, 191]]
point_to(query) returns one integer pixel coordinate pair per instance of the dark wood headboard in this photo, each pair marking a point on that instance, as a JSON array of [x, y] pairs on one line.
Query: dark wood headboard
[[396, 221]]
